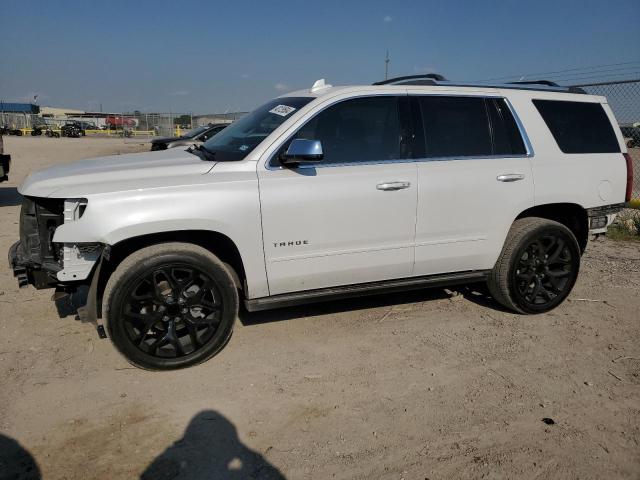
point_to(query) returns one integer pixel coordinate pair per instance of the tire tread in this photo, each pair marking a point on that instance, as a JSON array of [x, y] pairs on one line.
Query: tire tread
[[498, 280]]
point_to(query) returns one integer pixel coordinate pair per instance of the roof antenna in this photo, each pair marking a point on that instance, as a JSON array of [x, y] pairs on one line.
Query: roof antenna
[[319, 85], [386, 66]]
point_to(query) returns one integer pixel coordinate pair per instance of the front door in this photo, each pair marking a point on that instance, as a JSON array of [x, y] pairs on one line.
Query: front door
[[350, 218]]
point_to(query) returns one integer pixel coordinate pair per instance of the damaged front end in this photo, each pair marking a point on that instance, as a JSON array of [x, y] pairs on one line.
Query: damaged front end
[[39, 261]]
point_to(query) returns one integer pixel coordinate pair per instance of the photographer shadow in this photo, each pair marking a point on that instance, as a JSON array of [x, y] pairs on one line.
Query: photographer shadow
[[210, 449]]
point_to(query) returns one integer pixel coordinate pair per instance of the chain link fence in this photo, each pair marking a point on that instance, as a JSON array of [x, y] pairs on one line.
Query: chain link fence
[[132, 126], [18, 121], [624, 100]]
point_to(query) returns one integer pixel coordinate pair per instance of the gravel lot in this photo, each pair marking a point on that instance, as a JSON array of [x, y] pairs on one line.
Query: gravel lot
[[417, 385]]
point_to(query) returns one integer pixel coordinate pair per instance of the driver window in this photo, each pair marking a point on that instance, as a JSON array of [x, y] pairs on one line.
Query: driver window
[[358, 130]]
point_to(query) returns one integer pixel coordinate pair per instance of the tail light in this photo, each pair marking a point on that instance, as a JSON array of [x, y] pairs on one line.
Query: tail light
[[627, 157]]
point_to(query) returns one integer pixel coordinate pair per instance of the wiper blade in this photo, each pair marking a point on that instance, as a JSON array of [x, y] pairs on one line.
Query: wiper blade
[[207, 153], [202, 152]]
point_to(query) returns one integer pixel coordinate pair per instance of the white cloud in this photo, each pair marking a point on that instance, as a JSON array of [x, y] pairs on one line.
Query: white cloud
[[281, 87], [387, 19], [179, 93]]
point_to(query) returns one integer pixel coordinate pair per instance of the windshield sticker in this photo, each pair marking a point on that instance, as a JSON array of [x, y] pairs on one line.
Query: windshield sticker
[[282, 110], [242, 148]]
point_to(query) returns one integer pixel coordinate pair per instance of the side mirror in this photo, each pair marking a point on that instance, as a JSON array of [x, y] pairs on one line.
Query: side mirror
[[302, 151]]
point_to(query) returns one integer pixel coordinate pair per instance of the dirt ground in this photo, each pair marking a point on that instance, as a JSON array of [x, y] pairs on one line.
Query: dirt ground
[[417, 385]]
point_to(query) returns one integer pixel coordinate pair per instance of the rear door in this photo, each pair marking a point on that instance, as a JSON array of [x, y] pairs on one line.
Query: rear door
[[474, 178], [351, 218]]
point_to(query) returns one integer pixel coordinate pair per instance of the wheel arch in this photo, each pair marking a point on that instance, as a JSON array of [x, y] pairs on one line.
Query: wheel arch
[[571, 215], [217, 243]]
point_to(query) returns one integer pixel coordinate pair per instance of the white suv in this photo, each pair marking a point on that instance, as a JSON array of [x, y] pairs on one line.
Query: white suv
[[325, 193]]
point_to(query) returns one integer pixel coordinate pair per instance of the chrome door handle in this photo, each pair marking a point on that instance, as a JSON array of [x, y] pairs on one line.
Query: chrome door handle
[[510, 177], [390, 186]]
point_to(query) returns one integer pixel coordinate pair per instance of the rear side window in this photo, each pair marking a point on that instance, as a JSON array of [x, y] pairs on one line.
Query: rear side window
[[506, 135], [455, 126], [578, 127], [468, 127]]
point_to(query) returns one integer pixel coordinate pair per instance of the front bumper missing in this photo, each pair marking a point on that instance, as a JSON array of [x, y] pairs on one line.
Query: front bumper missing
[[28, 273]]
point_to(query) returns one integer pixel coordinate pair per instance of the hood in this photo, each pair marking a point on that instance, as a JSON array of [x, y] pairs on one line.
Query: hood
[[116, 173]]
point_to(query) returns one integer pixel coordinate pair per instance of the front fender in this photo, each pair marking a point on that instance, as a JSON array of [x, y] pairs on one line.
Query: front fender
[[230, 208]]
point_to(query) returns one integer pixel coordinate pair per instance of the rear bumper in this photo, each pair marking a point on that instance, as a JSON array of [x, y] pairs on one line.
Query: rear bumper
[[601, 217], [28, 273]]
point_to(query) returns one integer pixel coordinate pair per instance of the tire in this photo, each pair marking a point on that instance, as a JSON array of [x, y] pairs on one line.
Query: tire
[[537, 268], [160, 296]]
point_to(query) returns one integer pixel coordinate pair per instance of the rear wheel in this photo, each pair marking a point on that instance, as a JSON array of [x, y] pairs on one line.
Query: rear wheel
[[170, 306], [537, 268]]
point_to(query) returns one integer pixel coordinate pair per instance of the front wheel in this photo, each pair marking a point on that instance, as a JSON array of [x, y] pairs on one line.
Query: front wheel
[[537, 268], [170, 306]]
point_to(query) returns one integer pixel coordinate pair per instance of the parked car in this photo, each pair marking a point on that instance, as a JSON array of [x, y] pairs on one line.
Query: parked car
[[326, 193], [71, 130], [80, 126], [5, 162], [6, 130], [196, 136], [631, 136]]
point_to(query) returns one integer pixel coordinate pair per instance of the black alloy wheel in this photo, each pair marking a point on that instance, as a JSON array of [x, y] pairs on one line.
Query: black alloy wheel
[[172, 311], [544, 271], [170, 305], [538, 266]]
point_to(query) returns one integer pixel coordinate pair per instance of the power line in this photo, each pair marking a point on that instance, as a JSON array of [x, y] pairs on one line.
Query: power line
[[625, 76], [566, 70], [606, 70]]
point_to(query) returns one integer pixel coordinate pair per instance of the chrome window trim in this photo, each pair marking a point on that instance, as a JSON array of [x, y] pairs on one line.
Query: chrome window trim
[[523, 134]]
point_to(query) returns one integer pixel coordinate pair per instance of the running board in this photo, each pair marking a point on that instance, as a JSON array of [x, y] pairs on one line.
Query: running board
[[363, 289]]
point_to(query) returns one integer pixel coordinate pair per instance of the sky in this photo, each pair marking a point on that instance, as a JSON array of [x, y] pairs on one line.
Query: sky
[[209, 56]]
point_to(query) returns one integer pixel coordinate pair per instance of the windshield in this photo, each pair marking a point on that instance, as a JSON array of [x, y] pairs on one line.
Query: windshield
[[238, 140], [194, 131]]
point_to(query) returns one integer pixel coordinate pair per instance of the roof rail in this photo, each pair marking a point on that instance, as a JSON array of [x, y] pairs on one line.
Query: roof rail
[[434, 79], [548, 83], [424, 79]]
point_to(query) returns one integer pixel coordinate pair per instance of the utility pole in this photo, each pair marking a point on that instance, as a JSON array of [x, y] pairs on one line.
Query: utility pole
[[386, 66]]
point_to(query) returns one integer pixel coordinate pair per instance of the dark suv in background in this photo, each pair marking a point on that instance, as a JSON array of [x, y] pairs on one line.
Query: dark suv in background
[[194, 136], [631, 136]]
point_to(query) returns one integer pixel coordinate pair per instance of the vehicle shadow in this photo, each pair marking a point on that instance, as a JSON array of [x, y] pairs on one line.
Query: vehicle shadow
[[478, 293], [9, 197], [16, 462], [210, 449], [344, 305]]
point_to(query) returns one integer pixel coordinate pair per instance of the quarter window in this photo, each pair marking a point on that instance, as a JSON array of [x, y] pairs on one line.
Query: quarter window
[[578, 127], [358, 130]]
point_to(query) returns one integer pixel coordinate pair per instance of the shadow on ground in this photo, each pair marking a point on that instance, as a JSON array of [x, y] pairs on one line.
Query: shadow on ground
[[16, 462], [210, 449], [9, 197]]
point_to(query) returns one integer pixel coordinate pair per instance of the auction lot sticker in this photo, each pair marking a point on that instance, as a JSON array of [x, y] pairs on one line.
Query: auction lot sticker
[[282, 110]]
